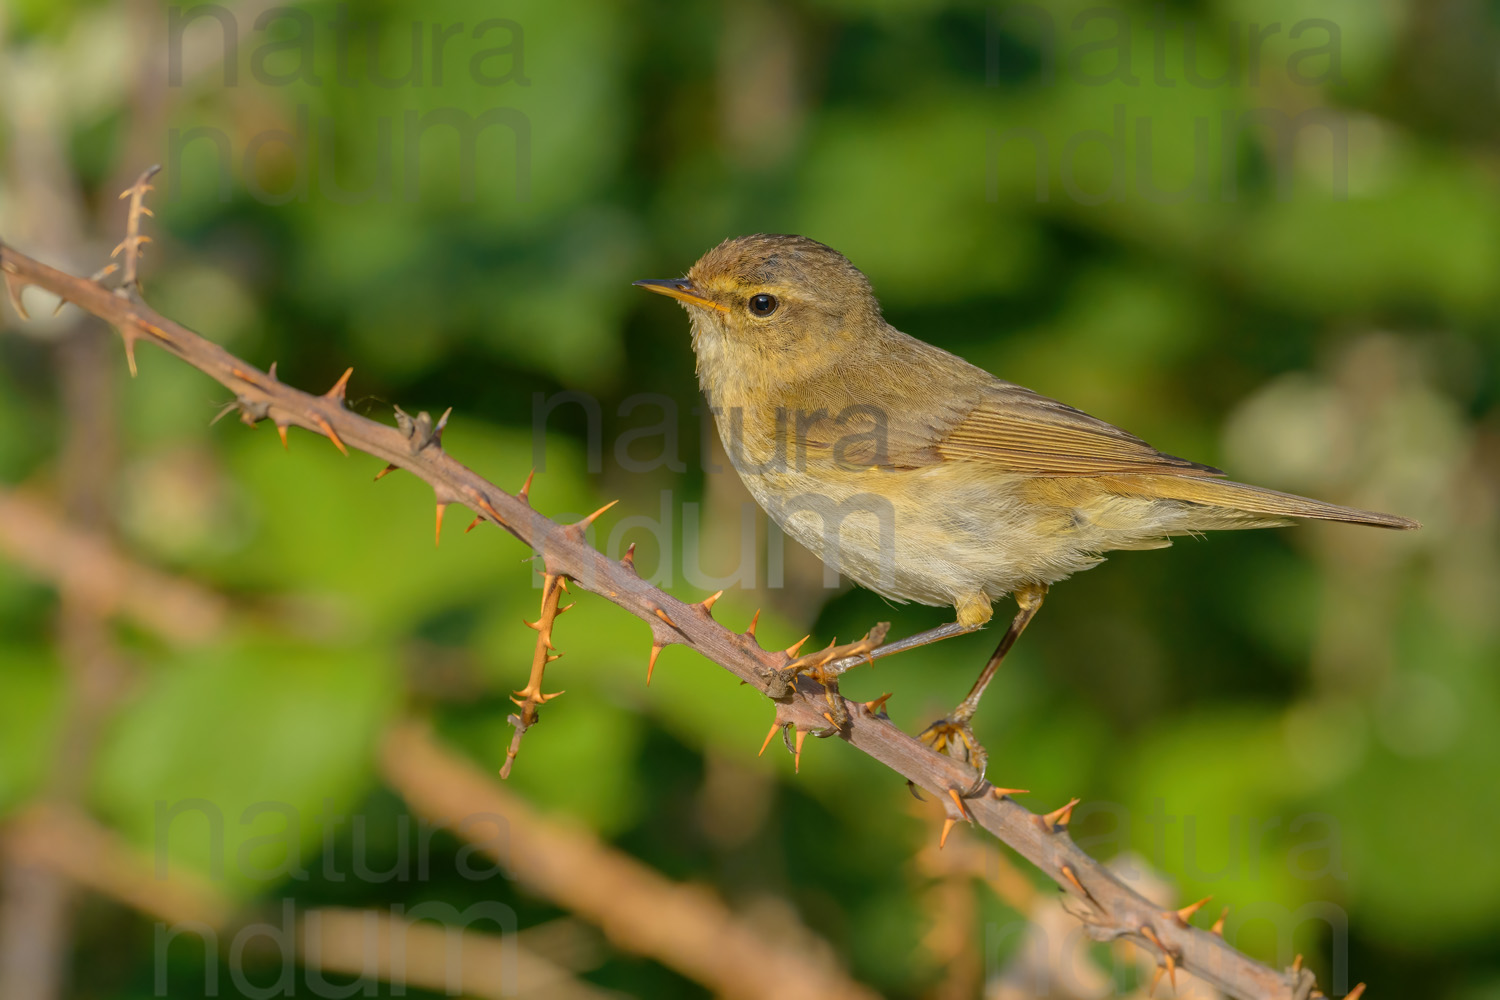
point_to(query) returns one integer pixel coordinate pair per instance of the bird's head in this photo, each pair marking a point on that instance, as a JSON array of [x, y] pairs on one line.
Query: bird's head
[[784, 301]]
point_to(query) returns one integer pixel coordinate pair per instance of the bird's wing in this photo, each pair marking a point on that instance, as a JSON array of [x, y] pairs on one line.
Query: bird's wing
[[1021, 431], [975, 419]]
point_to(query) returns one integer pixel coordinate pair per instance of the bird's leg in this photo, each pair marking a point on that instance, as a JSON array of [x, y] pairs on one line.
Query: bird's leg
[[827, 665], [928, 637], [953, 735], [815, 665]]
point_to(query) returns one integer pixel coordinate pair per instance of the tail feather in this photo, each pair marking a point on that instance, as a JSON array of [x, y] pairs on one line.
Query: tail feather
[[1260, 506]]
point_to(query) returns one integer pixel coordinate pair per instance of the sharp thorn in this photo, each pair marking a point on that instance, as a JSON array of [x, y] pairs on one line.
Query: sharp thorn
[[385, 472], [130, 352], [754, 621], [1297, 963], [1072, 877], [877, 704], [525, 493], [474, 524], [1156, 980], [1355, 993], [656, 649], [281, 429], [592, 517], [437, 539], [1060, 816], [628, 559], [663, 616], [958, 800], [489, 510], [328, 430], [14, 286], [775, 728], [336, 394], [1185, 914], [1169, 959], [791, 651], [948, 823], [797, 754], [1218, 927], [1001, 793], [271, 372], [707, 604]]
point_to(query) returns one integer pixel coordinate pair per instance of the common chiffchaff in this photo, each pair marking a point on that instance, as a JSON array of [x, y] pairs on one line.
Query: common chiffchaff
[[917, 474]]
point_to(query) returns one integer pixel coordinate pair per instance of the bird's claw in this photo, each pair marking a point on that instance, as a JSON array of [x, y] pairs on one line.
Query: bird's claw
[[782, 682], [955, 737]]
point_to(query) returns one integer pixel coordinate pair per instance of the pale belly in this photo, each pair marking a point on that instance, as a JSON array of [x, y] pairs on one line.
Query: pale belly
[[925, 535]]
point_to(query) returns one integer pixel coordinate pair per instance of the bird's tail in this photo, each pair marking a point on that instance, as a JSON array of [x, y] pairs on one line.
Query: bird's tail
[[1229, 504]]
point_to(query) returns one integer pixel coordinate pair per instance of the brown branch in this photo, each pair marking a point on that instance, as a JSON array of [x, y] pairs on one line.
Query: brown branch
[[65, 842], [683, 927], [56, 839], [444, 960], [1109, 909], [130, 281], [95, 569], [530, 697]]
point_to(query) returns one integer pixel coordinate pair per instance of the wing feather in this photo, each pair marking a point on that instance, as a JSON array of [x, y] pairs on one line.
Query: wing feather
[[1021, 431], [893, 420]]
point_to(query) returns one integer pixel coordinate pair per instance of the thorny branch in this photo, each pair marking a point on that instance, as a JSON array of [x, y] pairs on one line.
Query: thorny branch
[[638, 908], [1109, 909], [687, 929], [365, 943], [528, 698]]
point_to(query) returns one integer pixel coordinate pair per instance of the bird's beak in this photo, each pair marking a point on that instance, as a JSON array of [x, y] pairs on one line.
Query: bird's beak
[[680, 289]]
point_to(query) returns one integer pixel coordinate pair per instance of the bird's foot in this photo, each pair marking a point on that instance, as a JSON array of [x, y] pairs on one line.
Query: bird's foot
[[825, 666], [836, 659], [837, 713], [955, 737]]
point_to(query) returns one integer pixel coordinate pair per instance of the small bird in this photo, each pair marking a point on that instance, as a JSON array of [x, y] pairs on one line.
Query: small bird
[[919, 475]]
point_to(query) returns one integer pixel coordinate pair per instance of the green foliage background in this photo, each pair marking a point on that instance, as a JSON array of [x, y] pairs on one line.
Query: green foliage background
[[1316, 709]]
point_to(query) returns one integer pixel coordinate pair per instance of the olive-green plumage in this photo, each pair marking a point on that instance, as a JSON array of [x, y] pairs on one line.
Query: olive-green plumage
[[912, 471]]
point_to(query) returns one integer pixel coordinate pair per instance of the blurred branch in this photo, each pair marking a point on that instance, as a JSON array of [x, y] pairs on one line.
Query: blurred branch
[[93, 568], [60, 840], [1050, 957], [1109, 909], [684, 927], [36, 926], [432, 957], [66, 843]]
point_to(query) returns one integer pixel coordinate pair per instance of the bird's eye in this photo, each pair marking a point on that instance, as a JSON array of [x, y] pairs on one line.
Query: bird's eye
[[763, 304]]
